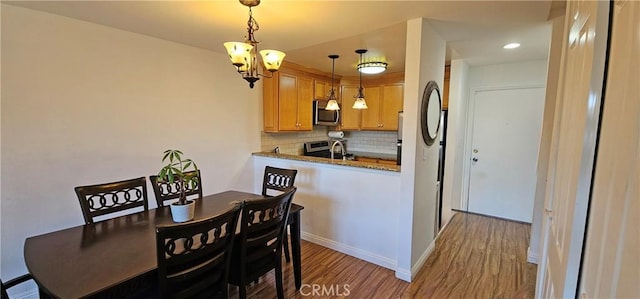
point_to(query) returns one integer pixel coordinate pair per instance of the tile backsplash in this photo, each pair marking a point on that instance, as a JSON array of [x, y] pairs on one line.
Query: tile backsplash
[[360, 141], [372, 141], [291, 143]]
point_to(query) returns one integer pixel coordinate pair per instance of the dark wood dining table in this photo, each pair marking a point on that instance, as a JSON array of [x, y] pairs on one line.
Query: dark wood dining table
[[115, 258]]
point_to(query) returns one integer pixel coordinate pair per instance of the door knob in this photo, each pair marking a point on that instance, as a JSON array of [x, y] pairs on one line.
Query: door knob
[[474, 159]]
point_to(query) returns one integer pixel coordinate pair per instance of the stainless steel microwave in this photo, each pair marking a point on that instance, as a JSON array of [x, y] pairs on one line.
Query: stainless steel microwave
[[323, 117]]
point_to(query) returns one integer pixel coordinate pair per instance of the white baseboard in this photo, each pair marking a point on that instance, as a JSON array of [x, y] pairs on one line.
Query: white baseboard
[[408, 275], [423, 258], [403, 274], [532, 257], [350, 250]]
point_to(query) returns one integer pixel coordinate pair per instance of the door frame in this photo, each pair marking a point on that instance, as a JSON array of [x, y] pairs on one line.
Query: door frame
[[466, 166]]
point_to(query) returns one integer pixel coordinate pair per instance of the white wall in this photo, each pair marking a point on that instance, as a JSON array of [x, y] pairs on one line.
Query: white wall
[[498, 75], [83, 104], [425, 56], [456, 132], [348, 209], [553, 76]]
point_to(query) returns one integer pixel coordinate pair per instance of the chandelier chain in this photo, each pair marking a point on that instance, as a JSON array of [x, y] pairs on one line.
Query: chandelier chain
[[252, 26]]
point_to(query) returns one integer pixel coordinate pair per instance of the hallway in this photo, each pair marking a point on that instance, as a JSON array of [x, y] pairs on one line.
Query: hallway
[[478, 257]]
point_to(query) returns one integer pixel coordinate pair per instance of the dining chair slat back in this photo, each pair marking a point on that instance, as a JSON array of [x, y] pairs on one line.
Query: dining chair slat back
[[166, 192], [194, 257], [259, 246], [278, 179], [102, 199]]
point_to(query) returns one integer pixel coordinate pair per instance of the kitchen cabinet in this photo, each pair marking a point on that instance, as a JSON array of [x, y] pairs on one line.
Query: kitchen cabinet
[[350, 118], [445, 89], [384, 102], [323, 87], [321, 90], [288, 102]]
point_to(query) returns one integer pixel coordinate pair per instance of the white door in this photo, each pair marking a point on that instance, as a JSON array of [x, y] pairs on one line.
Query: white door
[[611, 264], [505, 140], [573, 148]]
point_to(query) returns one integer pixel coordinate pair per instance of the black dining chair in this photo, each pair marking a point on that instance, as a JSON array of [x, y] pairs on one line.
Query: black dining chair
[[165, 191], [258, 249], [102, 199], [11, 283], [194, 257], [275, 181]]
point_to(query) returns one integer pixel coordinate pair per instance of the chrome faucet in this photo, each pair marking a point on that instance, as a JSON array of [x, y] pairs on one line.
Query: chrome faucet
[[344, 155]]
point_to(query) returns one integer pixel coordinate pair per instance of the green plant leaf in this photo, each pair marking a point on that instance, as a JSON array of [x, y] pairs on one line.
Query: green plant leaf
[[166, 154], [170, 175]]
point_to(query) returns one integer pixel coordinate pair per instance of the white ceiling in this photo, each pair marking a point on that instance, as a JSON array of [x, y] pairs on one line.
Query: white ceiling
[[310, 30]]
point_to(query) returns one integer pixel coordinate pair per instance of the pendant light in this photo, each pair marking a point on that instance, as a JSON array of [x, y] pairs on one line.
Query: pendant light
[[333, 103], [360, 103]]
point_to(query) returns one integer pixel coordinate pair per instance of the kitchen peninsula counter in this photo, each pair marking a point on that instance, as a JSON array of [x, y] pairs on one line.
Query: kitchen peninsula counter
[[348, 205], [360, 164]]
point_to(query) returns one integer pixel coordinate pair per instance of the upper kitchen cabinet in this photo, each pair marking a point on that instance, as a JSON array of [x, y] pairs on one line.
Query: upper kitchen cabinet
[[349, 117], [288, 99], [384, 97], [384, 101], [445, 89], [323, 88], [295, 103]]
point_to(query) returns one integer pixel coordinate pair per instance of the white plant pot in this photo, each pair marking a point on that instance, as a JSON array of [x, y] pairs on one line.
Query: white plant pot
[[183, 213]]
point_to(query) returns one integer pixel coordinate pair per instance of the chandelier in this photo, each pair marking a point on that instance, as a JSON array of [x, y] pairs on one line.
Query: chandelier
[[244, 56]]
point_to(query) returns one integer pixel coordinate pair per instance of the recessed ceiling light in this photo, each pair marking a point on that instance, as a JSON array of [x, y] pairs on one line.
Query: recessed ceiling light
[[511, 46]]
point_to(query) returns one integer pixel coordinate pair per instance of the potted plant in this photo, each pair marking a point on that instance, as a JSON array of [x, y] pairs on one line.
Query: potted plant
[[175, 171]]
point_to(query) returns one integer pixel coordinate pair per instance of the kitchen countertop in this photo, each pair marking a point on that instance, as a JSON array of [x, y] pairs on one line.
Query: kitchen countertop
[[374, 155], [377, 166]]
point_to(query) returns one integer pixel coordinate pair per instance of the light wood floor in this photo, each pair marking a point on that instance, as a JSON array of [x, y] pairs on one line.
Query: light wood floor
[[474, 257]]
